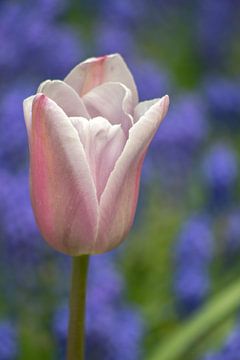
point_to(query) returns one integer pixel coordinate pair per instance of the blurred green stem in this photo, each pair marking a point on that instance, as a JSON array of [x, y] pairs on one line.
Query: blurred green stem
[[213, 313], [75, 348]]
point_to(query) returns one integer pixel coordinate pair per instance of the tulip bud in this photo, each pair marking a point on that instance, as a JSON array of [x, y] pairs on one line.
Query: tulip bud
[[88, 136]]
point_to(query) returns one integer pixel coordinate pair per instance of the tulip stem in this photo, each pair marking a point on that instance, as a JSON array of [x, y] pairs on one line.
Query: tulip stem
[[75, 347]]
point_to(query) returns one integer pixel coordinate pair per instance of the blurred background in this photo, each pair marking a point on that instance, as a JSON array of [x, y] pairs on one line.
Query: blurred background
[[176, 279]]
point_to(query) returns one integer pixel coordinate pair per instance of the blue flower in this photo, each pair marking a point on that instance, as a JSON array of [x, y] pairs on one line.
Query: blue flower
[[220, 174], [113, 329], [195, 243], [192, 256], [152, 81], [50, 9], [212, 356], [122, 11], [21, 240], [230, 350], [223, 98], [13, 135], [47, 50], [111, 38], [232, 233], [8, 341], [215, 26], [179, 138], [191, 286]]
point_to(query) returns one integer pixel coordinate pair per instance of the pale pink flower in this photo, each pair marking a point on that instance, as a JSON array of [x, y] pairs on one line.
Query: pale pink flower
[[88, 136]]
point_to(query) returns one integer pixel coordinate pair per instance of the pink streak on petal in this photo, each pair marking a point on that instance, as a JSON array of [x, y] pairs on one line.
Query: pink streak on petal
[[119, 199], [40, 166], [62, 191], [95, 71], [94, 74]]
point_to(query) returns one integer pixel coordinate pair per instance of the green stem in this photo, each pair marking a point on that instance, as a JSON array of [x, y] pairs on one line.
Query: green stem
[[213, 313], [75, 348]]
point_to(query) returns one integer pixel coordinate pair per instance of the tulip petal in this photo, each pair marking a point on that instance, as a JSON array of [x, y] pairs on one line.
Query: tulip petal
[[119, 199], [113, 101], [95, 71], [142, 107], [27, 110], [103, 144], [62, 190], [65, 97]]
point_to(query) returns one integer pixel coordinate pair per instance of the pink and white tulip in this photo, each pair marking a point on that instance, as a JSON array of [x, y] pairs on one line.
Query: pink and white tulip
[[88, 136]]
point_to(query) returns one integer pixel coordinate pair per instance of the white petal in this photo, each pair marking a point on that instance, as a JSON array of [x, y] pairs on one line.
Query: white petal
[[119, 199], [27, 110], [65, 96], [96, 71], [63, 193], [113, 101], [142, 107], [103, 144]]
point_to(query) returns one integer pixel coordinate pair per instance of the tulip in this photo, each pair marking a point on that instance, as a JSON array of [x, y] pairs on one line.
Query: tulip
[[88, 136]]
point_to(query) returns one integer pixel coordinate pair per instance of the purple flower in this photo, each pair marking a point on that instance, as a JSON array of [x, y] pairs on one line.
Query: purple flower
[[47, 50], [113, 329], [191, 286], [180, 137], [220, 173], [232, 233], [105, 283], [195, 242], [122, 11], [223, 99], [111, 38], [60, 328], [120, 338], [50, 9], [13, 137], [57, 53], [212, 356], [151, 80], [186, 127], [230, 350], [148, 172], [21, 239], [215, 26], [192, 256], [8, 341]]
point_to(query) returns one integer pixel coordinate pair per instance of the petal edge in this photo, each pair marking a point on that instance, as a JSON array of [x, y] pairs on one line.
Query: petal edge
[[62, 191]]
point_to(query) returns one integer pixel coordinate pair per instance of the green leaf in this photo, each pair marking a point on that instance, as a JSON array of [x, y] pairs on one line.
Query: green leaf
[[189, 334]]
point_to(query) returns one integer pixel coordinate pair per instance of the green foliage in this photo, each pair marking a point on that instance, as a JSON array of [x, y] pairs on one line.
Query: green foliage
[[147, 264], [198, 328]]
